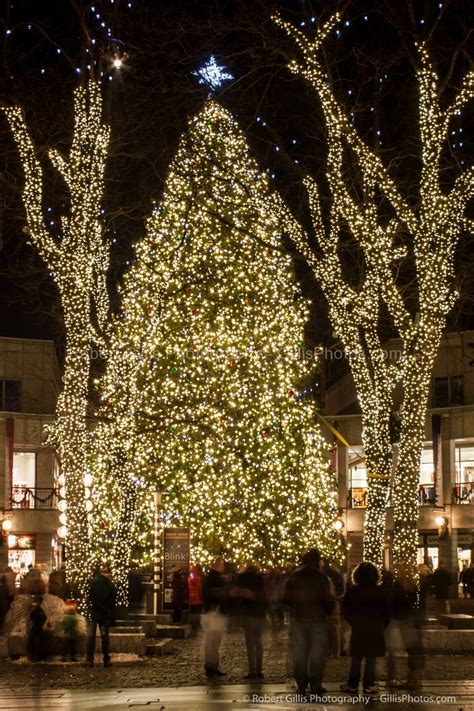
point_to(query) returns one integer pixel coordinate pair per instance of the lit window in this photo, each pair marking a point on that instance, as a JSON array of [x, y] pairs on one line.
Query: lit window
[[464, 486], [357, 478]]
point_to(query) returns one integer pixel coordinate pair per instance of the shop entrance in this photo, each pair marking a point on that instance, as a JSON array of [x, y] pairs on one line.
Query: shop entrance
[[21, 552]]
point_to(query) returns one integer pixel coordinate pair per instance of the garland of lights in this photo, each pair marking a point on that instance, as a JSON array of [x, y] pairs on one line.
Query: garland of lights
[[77, 258], [435, 226], [204, 367]]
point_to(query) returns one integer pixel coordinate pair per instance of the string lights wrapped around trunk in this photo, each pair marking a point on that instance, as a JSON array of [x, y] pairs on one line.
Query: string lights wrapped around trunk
[[434, 225], [77, 257]]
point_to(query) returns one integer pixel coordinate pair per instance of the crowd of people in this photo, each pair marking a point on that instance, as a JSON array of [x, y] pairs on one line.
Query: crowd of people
[[100, 610], [313, 598]]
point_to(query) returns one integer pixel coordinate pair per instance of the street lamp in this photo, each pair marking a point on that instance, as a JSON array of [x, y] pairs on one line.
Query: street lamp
[[7, 525], [442, 523]]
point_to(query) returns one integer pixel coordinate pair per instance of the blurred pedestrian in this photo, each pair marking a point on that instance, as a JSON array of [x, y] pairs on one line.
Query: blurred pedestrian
[[250, 589], [365, 608], [195, 594], [441, 581], [135, 591], [337, 589], [215, 606], [36, 642], [468, 581], [35, 582], [274, 586], [9, 577], [100, 612], [409, 608], [308, 597], [57, 583], [393, 638], [334, 576]]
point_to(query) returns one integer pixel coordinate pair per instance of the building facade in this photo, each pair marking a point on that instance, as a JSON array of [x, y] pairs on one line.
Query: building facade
[[29, 387], [446, 490]]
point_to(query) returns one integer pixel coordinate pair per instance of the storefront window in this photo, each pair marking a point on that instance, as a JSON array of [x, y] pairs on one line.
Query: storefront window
[[357, 496], [464, 487], [21, 552]]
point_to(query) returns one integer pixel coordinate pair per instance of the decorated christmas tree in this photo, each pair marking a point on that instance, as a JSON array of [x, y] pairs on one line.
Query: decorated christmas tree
[[202, 396]]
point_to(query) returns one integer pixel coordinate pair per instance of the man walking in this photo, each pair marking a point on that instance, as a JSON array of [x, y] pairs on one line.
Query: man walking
[[308, 596], [101, 612], [214, 592]]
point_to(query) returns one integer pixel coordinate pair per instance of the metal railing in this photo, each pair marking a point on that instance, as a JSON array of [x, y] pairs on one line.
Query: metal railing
[[357, 497], [427, 495], [464, 493], [25, 497]]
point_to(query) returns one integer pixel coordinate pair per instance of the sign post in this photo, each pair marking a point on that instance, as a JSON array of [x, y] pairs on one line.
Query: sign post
[[175, 560]]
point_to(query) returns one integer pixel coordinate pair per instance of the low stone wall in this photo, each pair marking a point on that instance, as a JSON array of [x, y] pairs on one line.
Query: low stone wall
[[449, 640]]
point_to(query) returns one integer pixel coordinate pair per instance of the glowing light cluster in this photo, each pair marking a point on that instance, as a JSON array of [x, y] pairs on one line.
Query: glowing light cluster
[[204, 370], [78, 260], [212, 74], [434, 226]]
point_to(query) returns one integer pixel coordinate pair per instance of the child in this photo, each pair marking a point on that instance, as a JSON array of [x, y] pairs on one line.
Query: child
[[70, 630], [365, 607]]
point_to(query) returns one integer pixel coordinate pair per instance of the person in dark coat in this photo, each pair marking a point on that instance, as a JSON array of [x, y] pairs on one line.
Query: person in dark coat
[[308, 596], [250, 588], [57, 583], [274, 586], [100, 612], [334, 576], [366, 609], [36, 642], [467, 580], [441, 581], [214, 619], [9, 578], [179, 589]]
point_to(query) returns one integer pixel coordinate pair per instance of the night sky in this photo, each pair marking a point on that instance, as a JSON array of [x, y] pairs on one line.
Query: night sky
[[150, 99]]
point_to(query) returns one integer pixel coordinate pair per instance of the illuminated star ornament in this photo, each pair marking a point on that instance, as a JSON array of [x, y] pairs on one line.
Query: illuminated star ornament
[[212, 74]]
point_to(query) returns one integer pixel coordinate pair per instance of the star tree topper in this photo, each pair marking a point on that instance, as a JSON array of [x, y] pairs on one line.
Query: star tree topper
[[212, 74]]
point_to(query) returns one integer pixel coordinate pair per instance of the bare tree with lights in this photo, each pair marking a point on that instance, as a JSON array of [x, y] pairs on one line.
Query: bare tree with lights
[[77, 256], [434, 225]]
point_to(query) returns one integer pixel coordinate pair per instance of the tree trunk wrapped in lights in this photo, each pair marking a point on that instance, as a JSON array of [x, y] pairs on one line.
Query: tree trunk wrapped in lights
[[77, 257], [209, 351], [434, 225]]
